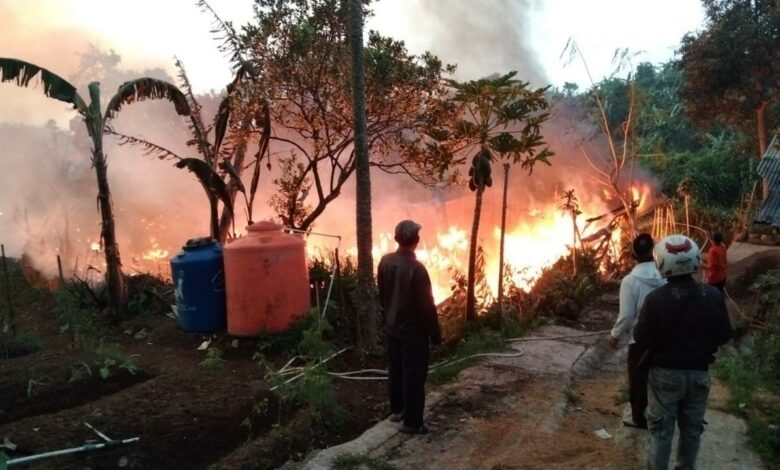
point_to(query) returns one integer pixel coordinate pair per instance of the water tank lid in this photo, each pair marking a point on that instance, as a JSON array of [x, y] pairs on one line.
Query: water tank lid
[[264, 226], [201, 241]]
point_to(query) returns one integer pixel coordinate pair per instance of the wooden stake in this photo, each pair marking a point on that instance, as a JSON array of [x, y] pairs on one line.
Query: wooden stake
[[59, 269], [8, 293]]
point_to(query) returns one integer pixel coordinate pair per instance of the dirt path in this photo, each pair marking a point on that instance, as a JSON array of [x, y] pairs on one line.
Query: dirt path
[[542, 410]]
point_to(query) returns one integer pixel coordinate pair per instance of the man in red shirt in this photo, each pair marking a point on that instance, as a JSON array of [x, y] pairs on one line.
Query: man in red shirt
[[715, 268]]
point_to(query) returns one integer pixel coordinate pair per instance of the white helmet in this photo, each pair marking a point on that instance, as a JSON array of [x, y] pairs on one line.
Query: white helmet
[[676, 255]]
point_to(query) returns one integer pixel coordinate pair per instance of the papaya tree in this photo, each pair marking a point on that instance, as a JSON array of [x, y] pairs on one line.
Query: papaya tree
[[54, 86], [500, 119]]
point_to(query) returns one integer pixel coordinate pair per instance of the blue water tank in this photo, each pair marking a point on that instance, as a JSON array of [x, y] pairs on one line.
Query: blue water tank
[[199, 284]]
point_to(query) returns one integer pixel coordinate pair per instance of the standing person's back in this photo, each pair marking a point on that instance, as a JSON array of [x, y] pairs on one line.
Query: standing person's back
[[642, 280], [682, 324], [410, 318]]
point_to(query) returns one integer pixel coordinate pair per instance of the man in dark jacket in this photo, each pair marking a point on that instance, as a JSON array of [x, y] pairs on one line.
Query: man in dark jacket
[[411, 321], [682, 324]]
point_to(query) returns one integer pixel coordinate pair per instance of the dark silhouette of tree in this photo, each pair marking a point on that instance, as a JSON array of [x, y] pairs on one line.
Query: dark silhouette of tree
[[731, 69], [300, 52]]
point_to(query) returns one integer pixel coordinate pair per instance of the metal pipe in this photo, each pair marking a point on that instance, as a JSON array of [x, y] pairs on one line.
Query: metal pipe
[[72, 450]]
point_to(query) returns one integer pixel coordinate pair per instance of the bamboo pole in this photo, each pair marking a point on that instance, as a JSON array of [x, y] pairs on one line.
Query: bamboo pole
[[8, 293]]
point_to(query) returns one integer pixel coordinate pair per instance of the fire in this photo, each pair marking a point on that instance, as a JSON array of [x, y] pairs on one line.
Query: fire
[[155, 254], [641, 195], [94, 246], [530, 246]]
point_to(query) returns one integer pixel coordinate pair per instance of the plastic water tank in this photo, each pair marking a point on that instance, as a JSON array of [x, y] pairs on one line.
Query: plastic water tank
[[199, 282], [267, 281]]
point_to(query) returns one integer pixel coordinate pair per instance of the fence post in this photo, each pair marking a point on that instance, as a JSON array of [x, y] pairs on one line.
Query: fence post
[[8, 292]]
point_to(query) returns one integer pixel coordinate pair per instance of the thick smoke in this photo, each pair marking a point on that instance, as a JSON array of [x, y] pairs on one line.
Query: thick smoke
[[48, 190], [481, 37]]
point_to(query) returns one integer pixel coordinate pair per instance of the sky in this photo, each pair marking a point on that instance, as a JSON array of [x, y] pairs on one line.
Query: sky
[[481, 36]]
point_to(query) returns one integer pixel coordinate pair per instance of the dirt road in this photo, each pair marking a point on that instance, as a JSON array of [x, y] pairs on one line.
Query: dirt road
[[556, 406]]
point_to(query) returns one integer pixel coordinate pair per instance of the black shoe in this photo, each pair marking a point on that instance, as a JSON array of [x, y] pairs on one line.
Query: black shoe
[[632, 424], [409, 430], [396, 417]]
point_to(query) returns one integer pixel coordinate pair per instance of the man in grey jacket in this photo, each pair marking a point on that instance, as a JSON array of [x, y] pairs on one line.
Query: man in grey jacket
[[643, 279]]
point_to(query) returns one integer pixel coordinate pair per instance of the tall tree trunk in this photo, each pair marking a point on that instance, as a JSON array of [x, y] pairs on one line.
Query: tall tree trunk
[[471, 298], [365, 294], [114, 279], [761, 128], [501, 249]]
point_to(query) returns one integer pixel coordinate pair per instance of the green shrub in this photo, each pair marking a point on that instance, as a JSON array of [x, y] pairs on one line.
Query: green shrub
[[111, 360], [213, 360], [754, 376]]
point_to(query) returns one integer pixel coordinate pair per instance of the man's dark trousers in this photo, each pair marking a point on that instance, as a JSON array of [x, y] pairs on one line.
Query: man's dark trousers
[[637, 384], [408, 368]]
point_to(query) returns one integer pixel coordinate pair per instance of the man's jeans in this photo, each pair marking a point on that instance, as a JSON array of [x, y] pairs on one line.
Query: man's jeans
[[675, 395]]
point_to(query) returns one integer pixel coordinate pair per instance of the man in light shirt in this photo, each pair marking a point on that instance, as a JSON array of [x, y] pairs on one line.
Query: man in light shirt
[[643, 279]]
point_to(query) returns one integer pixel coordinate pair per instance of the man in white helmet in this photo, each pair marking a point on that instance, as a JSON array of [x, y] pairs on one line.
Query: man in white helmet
[[642, 280], [682, 324]]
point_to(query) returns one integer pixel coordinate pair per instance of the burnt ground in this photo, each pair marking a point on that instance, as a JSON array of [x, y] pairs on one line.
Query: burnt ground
[[536, 411]]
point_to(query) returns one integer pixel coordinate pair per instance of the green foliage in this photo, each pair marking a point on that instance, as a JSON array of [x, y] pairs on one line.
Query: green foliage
[[111, 360], [729, 68], [717, 172], [23, 342], [299, 50], [767, 343], [309, 384], [360, 462], [341, 310], [80, 307], [764, 437], [213, 360], [260, 408], [754, 376]]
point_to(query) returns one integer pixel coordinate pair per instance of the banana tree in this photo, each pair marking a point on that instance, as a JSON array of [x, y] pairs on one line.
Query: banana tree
[[56, 87], [501, 119], [220, 146]]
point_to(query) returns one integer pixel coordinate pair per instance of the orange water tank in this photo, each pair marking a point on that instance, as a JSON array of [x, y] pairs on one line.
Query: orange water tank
[[266, 281]]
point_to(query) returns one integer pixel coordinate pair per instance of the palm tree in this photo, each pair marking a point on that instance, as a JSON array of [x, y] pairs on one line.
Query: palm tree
[[367, 311], [501, 119], [54, 86]]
